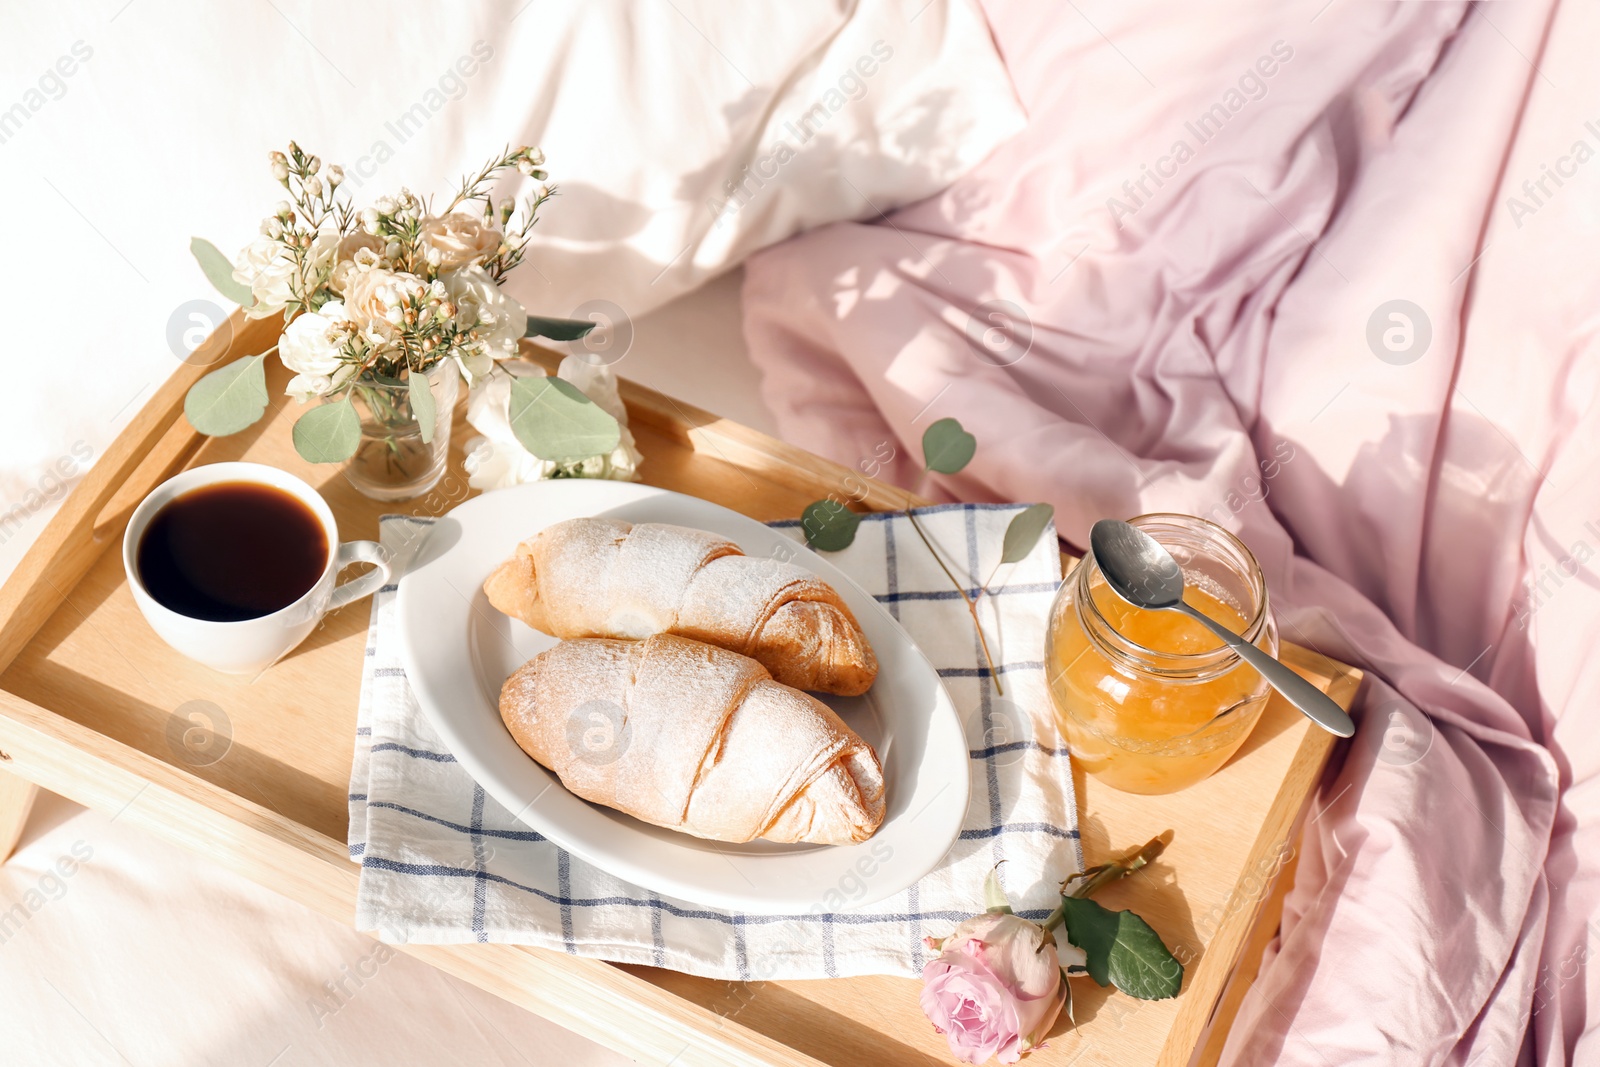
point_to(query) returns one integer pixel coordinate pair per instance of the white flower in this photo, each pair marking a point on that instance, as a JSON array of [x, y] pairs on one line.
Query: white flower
[[460, 239], [475, 361], [356, 251], [312, 346], [497, 459], [368, 295], [267, 267], [483, 305]]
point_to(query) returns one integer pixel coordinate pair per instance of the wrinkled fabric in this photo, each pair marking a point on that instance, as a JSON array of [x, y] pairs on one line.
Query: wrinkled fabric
[[1128, 327]]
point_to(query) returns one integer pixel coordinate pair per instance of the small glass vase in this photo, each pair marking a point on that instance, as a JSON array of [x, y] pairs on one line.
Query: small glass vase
[[393, 462]]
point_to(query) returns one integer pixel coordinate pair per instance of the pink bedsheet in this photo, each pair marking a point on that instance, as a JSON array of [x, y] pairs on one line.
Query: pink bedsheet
[[1197, 339]]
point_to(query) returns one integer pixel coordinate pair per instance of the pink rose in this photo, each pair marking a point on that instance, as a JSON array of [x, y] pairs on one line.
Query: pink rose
[[995, 988]]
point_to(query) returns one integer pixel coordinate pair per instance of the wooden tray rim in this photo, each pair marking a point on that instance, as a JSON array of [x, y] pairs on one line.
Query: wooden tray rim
[[60, 754]]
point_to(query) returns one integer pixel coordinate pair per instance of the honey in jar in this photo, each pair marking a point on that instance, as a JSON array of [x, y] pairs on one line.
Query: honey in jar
[[1151, 701]]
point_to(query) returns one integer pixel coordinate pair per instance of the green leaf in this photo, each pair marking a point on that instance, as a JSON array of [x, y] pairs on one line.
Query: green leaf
[[1141, 966], [558, 329], [328, 433], [556, 422], [946, 447], [1093, 929], [219, 272], [229, 398], [1122, 950], [1023, 532], [829, 526], [422, 405]]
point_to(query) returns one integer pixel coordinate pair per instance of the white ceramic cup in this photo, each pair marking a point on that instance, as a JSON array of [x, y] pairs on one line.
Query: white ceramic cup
[[249, 646]]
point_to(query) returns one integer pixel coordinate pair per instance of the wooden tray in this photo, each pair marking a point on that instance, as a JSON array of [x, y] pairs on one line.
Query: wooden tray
[[88, 697]]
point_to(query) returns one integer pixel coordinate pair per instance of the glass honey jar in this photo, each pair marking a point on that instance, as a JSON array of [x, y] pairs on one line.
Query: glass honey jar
[[1151, 701]]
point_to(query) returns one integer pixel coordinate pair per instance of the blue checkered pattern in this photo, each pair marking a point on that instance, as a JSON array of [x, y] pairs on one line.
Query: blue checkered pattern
[[441, 862]]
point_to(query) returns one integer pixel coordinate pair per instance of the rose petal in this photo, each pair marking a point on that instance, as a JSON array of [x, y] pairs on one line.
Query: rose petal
[[971, 1004]]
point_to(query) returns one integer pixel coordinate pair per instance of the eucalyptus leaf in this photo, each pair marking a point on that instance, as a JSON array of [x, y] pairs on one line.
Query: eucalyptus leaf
[[422, 405], [219, 272], [1023, 532], [829, 526], [556, 422], [328, 433], [558, 329], [228, 399], [946, 447], [1122, 950]]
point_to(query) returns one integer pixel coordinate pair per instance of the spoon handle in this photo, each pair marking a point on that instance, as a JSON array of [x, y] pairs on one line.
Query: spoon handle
[[1318, 706]]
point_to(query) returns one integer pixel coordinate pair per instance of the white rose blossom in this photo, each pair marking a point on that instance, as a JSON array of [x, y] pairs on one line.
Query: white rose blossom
[[484, 306], [497, 459], [370, 294], [267, 266], [312, 346], [460, 240], [356, 251]]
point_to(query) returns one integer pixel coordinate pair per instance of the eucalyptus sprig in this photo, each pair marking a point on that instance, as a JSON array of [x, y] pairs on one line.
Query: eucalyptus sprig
[[829, 525]]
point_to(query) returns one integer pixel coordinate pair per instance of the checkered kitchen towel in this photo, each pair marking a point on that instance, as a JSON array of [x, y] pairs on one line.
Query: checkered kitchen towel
[[443, 862]]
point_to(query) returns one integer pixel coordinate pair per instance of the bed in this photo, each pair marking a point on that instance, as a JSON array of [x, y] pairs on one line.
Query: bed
[[1323, 274]]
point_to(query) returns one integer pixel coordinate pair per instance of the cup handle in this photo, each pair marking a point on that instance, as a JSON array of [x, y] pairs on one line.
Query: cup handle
[[369, 583]]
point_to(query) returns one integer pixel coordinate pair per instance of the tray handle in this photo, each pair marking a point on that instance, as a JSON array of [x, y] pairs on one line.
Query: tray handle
[[69, 545]]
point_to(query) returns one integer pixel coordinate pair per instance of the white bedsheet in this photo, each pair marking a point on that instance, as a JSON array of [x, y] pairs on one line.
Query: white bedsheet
[[138, 952]]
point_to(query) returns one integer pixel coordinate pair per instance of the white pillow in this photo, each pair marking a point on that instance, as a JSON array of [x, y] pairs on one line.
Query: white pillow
[[684, 136], [644, 111]]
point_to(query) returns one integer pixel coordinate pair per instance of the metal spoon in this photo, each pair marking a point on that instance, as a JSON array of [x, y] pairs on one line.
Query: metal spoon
[[1139, 570]]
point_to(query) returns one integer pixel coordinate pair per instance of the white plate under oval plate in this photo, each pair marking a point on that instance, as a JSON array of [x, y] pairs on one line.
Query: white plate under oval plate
[[459, 650]]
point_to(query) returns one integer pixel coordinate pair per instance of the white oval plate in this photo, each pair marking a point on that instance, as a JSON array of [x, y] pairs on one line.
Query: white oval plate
[[459, 650]]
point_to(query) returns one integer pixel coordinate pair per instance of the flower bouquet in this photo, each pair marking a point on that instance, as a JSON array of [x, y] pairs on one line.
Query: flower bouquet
[[386, 309]]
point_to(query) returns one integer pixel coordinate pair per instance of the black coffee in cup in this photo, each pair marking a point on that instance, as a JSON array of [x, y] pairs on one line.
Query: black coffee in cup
[[232, 551]]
